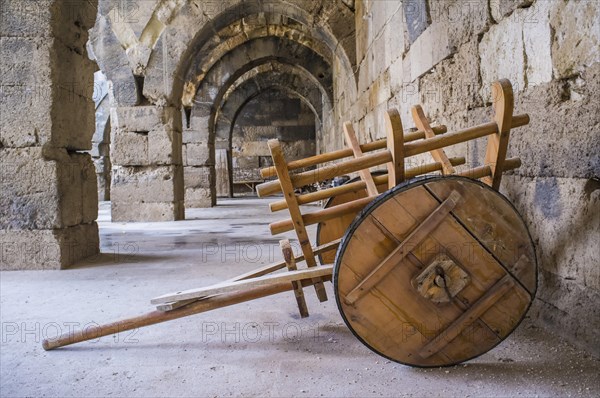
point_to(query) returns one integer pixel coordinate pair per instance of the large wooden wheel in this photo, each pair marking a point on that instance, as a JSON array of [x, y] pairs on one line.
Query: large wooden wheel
[[435, 272]]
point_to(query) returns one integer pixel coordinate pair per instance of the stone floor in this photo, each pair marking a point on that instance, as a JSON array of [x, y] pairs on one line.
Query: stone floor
[[260, 348]]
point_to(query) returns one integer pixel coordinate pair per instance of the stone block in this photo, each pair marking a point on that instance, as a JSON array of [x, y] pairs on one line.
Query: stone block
[[151, 184], [562, 137], [199, 154], [164, 146], [562, 216], [246, 162], [576, 26], [199, 197], [199, 177], [48, 249], [44, 193], [135, 118], [73, 122], [431, 47], [129, 148], [501, 8], [564, 307], [537, 37], [453, 85], [66, 20], [147, 211], [197, 134], [502, 54]]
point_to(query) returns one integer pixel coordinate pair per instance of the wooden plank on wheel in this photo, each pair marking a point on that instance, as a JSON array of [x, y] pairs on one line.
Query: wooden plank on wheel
[[468, 317], [313, 273], [365, 174], [415, 237], [290, 262]]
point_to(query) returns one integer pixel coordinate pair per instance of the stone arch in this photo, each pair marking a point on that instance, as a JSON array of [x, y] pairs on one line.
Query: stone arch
[[294, 79], [330, 22]]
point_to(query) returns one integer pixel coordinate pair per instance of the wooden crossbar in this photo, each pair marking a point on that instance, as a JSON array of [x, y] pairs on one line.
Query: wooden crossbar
[[359, 185], [314, 273], [344, 153], [379, 158], [405, 247]]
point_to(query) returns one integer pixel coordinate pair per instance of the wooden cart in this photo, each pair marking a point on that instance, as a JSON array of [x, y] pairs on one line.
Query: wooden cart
[[427, 271]]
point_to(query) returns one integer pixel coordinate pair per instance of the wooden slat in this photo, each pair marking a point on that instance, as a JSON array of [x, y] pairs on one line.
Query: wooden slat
[[176, 304], [395, 144], [495, 155], [327, 172], [288, 255], [314, 273], [372, 160], [365, 174], [344, 153], [438, 154], [282, 226], [428, 225], [267, 269], [471, 133], [290, 197], [468, 317], [155, 317], [485, 171], [360, 185]]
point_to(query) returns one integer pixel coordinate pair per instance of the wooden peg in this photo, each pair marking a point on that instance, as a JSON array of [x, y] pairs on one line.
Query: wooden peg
[[290, 262], [365, 174], [395, 144], [495, 154]]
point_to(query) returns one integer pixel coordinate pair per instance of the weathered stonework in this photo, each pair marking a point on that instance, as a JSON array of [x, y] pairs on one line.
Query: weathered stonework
[[49, 197], [454, 51]]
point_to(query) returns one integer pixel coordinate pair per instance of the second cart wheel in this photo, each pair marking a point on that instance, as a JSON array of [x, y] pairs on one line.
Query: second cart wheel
[[330, 230], [435, 272]]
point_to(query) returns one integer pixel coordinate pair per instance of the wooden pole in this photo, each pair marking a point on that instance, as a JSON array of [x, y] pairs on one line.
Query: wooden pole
[[376, 159], [327, 172], [357, 186], [154, 317], [344, 153]]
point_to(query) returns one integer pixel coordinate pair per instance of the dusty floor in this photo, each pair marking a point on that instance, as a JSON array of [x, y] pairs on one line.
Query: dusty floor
[[255, 349]]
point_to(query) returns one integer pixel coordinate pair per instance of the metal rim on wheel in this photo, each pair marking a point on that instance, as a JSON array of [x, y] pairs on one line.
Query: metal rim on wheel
[[419, 313]]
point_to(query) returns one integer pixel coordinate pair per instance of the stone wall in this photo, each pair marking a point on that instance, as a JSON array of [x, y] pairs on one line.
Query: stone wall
[[271, 115], [174, 54], [445, 55], [49, 200]]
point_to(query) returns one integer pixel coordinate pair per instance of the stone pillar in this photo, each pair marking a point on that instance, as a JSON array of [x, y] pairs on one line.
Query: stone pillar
[[48, 191], [147, 173], [199, 160], [101, 140]]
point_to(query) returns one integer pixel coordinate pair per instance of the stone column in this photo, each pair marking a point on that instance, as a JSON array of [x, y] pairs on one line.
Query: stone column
[[147, 174], [48, 199], [101, 140], [199, 160]]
